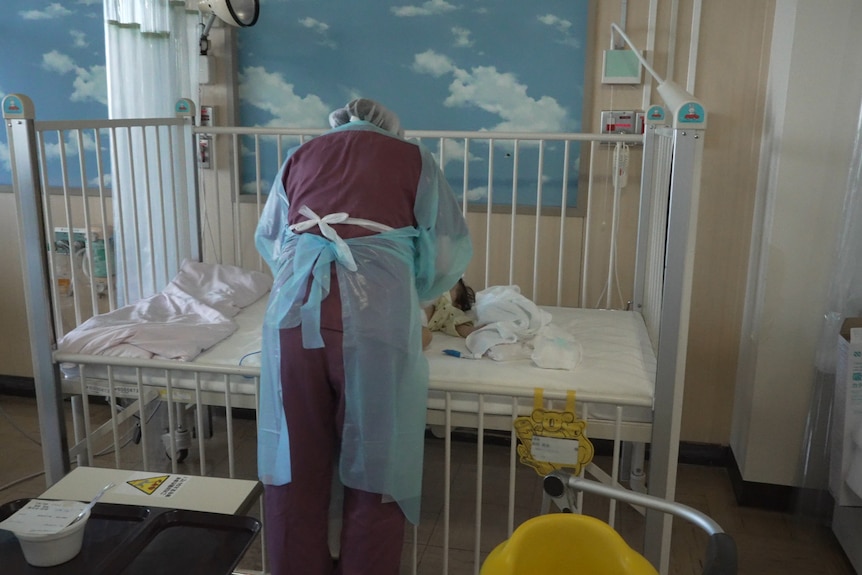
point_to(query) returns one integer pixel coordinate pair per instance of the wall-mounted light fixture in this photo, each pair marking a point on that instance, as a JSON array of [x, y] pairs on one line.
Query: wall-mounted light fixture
[[240, 13], [684, 108]]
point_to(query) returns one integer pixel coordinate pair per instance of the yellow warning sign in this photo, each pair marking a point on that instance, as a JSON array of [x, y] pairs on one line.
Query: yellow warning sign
[[148, 484]]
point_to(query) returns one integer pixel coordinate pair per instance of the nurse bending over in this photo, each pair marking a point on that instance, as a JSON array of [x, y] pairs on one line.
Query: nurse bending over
[[359, 227]]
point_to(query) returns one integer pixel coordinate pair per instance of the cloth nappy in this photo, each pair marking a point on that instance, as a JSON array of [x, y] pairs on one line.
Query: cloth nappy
[[446, 317]]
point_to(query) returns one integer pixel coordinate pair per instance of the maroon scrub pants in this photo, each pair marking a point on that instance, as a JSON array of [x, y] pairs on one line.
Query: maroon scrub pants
[[297, 514]]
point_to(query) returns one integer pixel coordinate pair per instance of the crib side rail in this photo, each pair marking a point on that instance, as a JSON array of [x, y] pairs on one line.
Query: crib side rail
[[544, 209], [542, 217], [117, 211]]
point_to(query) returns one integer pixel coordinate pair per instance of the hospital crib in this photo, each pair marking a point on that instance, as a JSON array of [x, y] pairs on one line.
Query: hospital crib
[[573, 544]]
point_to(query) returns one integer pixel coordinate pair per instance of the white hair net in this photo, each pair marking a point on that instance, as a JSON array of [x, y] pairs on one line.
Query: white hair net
[[370, 111]]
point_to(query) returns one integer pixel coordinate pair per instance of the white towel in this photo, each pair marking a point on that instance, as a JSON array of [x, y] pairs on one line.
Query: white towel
[[506, 317]]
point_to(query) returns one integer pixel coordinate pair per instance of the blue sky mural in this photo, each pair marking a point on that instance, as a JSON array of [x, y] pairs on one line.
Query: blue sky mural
[[475, 65], [441, 65], [53, 52], [471, 65]]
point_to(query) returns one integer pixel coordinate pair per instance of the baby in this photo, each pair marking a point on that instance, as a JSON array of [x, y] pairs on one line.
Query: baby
[[447, 314]]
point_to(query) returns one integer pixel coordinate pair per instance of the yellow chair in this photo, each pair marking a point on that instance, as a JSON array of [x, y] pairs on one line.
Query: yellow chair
[[573, 544], [565, 544]]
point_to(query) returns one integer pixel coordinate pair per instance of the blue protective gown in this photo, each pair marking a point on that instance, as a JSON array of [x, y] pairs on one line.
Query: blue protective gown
[[386, 372]]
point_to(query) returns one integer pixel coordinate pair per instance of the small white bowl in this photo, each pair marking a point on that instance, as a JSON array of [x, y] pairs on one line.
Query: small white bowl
[[49, 549]]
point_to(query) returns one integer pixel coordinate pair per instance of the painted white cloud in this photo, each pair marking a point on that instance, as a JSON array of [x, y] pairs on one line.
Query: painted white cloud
[[429, 8], [316, 25], [106, 181], [71, 147], [453, 151], [54, 10], [496, 92], [5, 161], [54, 61], [430, 62], [269, 92], [321, 29], [79, 39], [477, 194], [261, 186], [89, 83], [555, 22], [462, 37], [562, 26]]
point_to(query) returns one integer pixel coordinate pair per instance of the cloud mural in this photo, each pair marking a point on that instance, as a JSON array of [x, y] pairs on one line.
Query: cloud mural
[[440, 64], [437, 63], [498, 93], [5, 162], [89, 84], [563, 28], [54, 52], [430, 8], [52, 11], [319, 28], [79, 39], [269, 92], [462, 37]]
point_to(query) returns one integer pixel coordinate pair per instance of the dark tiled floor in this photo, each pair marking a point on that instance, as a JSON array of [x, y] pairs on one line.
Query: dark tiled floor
[[769, 542]]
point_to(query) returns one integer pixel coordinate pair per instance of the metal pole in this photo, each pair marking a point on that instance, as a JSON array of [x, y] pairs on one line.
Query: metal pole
[[19, 115], [673, 339]]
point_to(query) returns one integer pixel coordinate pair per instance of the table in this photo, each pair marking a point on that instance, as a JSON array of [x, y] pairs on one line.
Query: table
[[209, 494], [149, 523]]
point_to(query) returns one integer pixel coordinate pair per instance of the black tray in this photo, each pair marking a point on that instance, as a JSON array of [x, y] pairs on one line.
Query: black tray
[[136, 540]]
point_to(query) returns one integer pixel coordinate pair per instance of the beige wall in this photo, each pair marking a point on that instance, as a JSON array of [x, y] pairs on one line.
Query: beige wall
[[14, 341], [732, 55], [733, 49], [731, 80]]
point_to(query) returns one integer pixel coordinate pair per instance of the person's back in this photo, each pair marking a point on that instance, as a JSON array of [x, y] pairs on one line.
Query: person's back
[[360, 225], [359, 170]]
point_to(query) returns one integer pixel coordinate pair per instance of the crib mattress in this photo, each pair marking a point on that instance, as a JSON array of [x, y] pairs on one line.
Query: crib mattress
[[617, 367]]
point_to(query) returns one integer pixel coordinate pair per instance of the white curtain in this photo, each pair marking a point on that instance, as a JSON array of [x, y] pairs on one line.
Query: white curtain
[[845, 300], [845, 292], [151, 50]]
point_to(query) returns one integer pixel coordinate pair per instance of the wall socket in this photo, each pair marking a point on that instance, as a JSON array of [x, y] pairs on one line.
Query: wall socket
[[622, 122], [205, 151]]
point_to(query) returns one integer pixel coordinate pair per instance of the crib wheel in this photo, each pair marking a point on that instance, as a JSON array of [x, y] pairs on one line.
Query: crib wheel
[[181, 455]]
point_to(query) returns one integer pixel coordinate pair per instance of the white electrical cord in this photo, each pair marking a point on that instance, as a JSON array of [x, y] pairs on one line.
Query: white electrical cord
[[106, 451], [21, 480], [620, 161], [17, 427]]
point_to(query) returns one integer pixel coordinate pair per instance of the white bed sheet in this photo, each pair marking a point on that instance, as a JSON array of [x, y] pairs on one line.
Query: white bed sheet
[[617, 367], [241, 348]]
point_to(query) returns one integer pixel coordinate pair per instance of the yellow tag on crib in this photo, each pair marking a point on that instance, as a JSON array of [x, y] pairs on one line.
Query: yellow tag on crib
[[551, 440]]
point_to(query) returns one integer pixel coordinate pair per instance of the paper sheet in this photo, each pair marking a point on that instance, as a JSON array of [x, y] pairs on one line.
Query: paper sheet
[[42, 516]]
